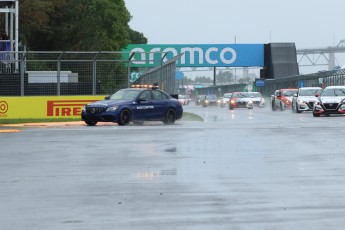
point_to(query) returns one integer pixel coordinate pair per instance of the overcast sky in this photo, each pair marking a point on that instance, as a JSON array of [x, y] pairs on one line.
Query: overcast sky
[[309, 24]]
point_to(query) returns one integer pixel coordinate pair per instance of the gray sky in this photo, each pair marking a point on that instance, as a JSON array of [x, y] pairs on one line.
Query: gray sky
[[309, 24]]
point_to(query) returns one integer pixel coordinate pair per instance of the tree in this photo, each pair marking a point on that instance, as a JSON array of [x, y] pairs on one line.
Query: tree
[[224, 77], [244, 80], [76, 25], [202, 79]]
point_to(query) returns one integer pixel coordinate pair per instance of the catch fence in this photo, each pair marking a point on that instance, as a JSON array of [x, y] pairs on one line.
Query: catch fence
[[76, 73]]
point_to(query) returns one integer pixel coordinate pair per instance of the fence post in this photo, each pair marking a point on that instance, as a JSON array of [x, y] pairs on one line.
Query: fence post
[[22, 85], [129, 70], [58, 80], [94, 74]]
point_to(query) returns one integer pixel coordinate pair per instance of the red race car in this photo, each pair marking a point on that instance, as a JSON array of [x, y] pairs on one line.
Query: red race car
[[282, 99]]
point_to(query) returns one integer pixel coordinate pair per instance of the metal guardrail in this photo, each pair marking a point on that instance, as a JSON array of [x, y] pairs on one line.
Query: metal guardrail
[[322, 79], [71, 73]]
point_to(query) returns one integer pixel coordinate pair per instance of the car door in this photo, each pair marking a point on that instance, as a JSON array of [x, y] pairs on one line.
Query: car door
[[160, 103], [278, 95], [145, 107]]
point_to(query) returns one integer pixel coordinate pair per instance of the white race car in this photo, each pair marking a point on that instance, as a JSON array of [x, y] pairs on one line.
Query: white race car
[[330, 101], [305, 99]]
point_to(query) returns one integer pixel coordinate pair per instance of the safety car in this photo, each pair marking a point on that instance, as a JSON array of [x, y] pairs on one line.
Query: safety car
[[137, 104], [330, 101], [282, 99], [304, 99]]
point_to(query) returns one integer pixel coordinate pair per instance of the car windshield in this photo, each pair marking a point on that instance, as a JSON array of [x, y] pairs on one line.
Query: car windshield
[[125, 95], [240, 95], [211, 97], [289, 93], [309, 92], [333, 92], [255, 94], [227, 95]]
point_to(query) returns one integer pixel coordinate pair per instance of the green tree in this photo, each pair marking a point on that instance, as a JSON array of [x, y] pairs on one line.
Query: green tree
[[224, 77], [76, 25], [244, 80], [137, 37], [202, 79]]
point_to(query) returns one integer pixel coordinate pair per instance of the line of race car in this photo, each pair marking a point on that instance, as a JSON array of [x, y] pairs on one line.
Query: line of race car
[[330, 100], [147, 103]]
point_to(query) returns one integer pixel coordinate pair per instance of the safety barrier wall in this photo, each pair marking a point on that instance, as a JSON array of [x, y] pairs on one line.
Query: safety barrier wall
[[44, 107], [321, 79]]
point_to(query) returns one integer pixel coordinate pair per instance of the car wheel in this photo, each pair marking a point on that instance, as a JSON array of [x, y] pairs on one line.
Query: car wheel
[[125, 117], [91, 123], [273, 106], [281, 106], [316, 115], [297, 109], [170, 117], [230, 107]]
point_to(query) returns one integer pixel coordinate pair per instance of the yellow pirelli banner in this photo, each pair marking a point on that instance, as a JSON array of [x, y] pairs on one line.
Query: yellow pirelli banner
[[55, 107]]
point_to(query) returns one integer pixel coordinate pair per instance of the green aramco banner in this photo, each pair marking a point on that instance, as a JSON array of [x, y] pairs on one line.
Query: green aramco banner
[[199, 55]]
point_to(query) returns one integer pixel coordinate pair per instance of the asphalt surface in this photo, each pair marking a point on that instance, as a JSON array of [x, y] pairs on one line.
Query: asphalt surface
[[240, 169]]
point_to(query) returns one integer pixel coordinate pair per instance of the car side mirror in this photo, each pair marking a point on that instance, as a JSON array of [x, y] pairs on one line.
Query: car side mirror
[[295, 95], [107, 98], [174, 96]]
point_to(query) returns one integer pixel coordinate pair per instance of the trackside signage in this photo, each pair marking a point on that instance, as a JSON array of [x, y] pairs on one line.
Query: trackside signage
[[202, 55], [44, 107]]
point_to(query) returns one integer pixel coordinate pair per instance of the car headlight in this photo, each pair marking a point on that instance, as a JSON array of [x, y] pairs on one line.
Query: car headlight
[[317, 105], [299, 101], [113, 108]]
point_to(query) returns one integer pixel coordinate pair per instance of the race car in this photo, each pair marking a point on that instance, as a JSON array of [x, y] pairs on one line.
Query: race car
[[241, 100], [183, 99], [226, 98], [330, 101], [138, 104], [210, 99], [282, 99], [304, 99], [258, 99]]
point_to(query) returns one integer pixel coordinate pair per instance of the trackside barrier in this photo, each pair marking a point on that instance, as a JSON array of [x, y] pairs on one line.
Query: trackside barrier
[[38, 73], [321, 79], [55, 107]]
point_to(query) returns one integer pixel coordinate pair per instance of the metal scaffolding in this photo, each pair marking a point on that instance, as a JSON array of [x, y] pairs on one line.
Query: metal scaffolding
[[10, 9]]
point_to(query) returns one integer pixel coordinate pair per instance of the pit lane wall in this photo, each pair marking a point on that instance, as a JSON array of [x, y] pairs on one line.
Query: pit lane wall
[[47, 107]]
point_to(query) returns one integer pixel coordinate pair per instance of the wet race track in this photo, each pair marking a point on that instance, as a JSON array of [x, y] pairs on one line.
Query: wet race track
[[240, 169]]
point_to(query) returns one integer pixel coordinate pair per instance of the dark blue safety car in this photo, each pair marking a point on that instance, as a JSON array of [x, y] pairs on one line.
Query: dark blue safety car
[[136, 104]]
